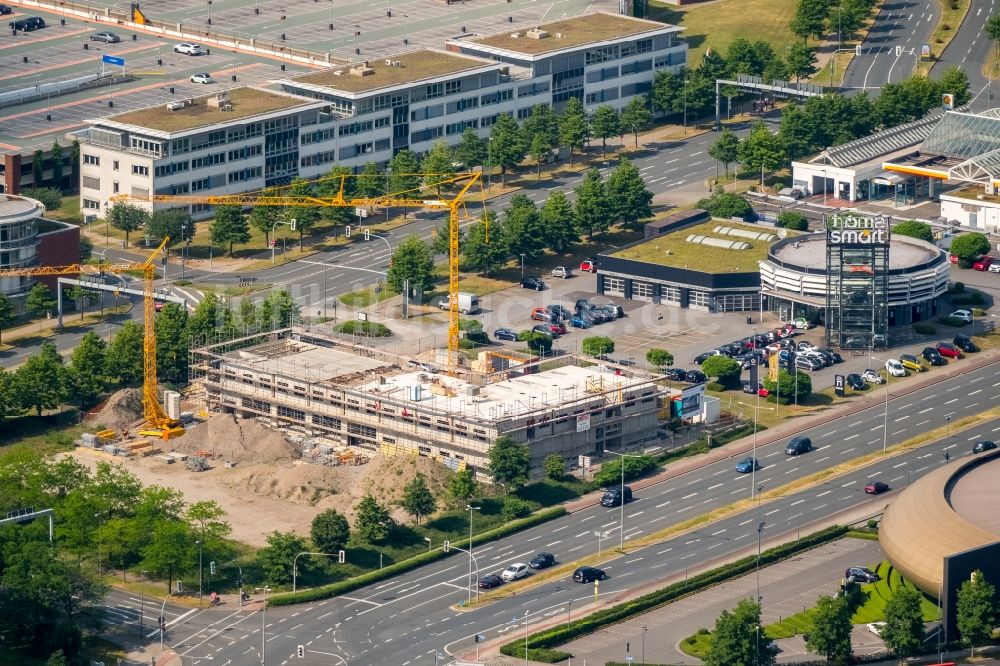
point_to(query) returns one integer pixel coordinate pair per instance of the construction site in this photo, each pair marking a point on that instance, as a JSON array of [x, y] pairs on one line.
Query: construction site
[[341, 401]]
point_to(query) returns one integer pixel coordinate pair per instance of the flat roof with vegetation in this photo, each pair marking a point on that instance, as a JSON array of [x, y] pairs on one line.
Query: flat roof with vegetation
[[246, 102], [413, 67], [674, 250], [574, 31]]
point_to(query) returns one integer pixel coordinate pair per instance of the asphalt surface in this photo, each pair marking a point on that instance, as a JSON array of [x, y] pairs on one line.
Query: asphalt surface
[[410, 618], [968, 50], [891, 49]]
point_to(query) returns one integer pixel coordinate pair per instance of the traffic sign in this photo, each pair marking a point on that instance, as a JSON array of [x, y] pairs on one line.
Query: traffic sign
[[113, 60]]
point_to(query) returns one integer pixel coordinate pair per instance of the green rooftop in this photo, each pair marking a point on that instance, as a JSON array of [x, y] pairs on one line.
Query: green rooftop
[[243, 103], [411, 67], [674, 250], [571, 32]]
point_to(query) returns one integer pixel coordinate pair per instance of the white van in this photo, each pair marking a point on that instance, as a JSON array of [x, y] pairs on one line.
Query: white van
[[467, 303]]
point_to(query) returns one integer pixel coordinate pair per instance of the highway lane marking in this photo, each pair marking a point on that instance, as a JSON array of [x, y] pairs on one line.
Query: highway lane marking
[[825, 492], [549, 545], [902, 418], [636, 514], [798, 502], [817, 508], [709, 548], [823, 458], [613, 522], [660, 506], [794, 469], [947, 402], [657, 566], [825, 446], [534, 538], [572, 549], [770, 512], [738, 490], [745, 522], [582, 534], [921, 469], [741, 536], [692, 541], [847, 439], [898, 432], [721, 471], [976, 391], [849, 483], [713, 534], [923, 422], [559, 529], [638, 559], [691, 495], [772, 454], [844, 453], [827, 434], [718, 485], [924, 411], [973, 437], [663, 552]]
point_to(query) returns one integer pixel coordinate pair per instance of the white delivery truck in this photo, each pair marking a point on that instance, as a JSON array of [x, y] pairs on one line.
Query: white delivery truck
[[467, 303]]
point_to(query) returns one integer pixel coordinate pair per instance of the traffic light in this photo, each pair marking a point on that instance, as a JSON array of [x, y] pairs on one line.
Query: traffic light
[[340, 557], [291, 224], [301, 651], [447, 546], [367, 234], [211, 568], [347, 231]]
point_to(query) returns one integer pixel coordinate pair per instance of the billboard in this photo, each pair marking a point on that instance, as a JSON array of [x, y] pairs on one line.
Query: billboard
[[854, 229]]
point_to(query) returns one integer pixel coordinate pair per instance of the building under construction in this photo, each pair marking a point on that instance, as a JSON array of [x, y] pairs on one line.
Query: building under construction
[[331, 389]]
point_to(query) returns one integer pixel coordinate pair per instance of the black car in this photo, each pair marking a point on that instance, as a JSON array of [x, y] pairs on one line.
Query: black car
[[855, 382], [613, 496], [675, 374], [701, 358], [861, 574], [965, 343], [834, 356], [489, 581], [588, 574], [695, 377], [505, 334], [544, 329], [797, 445], [559, 311], [6, 9], [533, 283], [749, 388], [37, 22], [984, 445], [932, 356], [542, 561]]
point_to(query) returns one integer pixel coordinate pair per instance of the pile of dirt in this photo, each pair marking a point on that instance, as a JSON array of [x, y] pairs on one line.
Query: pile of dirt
[[236, 440], [119, 412]]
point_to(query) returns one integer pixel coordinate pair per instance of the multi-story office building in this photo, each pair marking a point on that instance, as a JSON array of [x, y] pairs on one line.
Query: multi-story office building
[[250, 138]]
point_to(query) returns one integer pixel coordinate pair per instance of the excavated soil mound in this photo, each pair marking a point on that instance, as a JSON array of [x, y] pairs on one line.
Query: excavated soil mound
[[237, 441], [120, 411]]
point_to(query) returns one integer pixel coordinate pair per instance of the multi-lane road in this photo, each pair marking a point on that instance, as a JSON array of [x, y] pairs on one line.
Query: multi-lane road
[[891, 50], [969, 49], [410, 618]]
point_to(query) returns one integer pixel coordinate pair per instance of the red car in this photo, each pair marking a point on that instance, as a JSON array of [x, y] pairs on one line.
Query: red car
[[876, 487], [540, 314], [982, 264], [949, 350], [952, 258], [558, 328], [588, 266]]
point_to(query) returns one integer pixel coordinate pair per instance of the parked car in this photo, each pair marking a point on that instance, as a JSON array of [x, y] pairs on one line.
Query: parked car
[[543, 329], [204, 77], [834, 356], [963, 315], [807, 363], [872, 377], [6, 9], [910, 362], [560, 311], [861, 574], [588, 574], [982, 264], [613, 496], [747, 465], [542, 561], [21, 24], [188, 48], [750, 389], [824, 359], [514, 571], [588, 266], [984, 445], [797, 445], [616, 311], [855, 381], [876, 487], [801, 323], [895, 368], [994, 267], [541, 314], [695, 377], [556, 328], [949, 350], [106, 37], [505, 334], [805, 345], [675, 374], [700, 358], [489, 581], [533, 283], [562, 272], [965, 343], [932, 356], [581, 322]]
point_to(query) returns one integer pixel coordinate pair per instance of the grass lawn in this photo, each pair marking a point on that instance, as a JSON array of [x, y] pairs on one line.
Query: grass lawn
[[674, 250]]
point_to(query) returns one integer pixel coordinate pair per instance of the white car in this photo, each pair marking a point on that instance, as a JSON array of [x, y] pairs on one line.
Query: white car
[[202, 78], [800, 323], [189, 49], [562, 272], [514, 571], [994, 267], [872, 377], [895, 368], [964, 315], [876, 628]]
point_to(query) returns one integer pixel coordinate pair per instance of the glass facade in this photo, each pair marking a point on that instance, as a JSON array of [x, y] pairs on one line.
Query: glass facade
[[857, 264]]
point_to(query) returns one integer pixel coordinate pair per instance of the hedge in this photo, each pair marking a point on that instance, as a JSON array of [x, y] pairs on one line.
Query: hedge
[[345, 586], [550, 638]]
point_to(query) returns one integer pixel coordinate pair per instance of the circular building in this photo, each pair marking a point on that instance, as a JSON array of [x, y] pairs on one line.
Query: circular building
[[795, 282], [946, 525], [19, 239]]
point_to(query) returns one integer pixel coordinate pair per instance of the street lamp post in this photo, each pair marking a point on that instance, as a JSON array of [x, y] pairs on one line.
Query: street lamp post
[[644, 645], [163, 623], [142, 602], [621, 496], [756, 414], [200, 547], [885, 414], [569, 608], [263, 622], [525, 637], [489, 163], [685, 106], [522, 266], [760, 528], [470, 509]]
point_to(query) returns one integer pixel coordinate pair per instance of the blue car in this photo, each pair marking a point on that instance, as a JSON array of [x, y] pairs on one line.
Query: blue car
[[580, 322], [505, 334], [747, 465]]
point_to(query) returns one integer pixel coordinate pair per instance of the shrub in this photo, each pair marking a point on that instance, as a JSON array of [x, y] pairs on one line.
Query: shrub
[[725, 205], [715, 386], [635, 466], [951, 321], [50, 197], [792, 220], [925, 329], [371, 328], [872, 524], [514, 507]]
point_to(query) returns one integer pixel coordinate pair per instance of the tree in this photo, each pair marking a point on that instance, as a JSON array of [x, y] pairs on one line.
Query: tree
[[903, 632], [278, 309], [417, 498], [543, 121], [976, 610], [761, 150], [50, 197], [627, 193], [471, 150], [229, 226], [462, 485], [170, 550], [724, 149], [523, 228], [555, 466], [263, 218], [573, 128], [793, 220], [206, 518], [967, 247], [596, 345], [9, 404], [635, 117], [124, 355], [659, 358], [6, 313], [801, 61], [306, 217], [370, 182], [80, 297], [955, 81], [846, 18], [508, 145], [558, 222], [830, 635], [413, 261], [404, 178], [371, 520], [509, 462], [485, 244], [593, 210], [992, 30], [738, 638], [277, 559], [174, 223], [87, 365], [667, 88], [56, 163], [38, 169], [437, 165], [789, 388], [725, 205], [723, 368], [41, 383], [126, 217], [247, 314], [40, 301], [914, 229], [604, 123], [74, 165], [204, 319], [539, 150], [330, 532], [173, 342], [810, 19], [539, 343]]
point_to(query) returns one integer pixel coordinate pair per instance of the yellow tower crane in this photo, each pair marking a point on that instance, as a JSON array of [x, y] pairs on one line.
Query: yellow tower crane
[[462, 182], [157, 423]]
